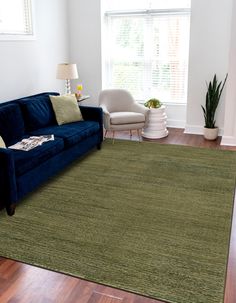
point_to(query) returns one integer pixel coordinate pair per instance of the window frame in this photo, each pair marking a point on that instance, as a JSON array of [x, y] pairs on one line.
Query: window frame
[[142, 12], [30, 34]]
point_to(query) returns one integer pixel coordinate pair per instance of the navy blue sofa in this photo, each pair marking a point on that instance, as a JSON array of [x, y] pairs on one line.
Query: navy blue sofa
[[22, 171]]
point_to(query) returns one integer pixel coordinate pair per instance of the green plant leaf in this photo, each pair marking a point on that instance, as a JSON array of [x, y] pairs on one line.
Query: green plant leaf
[[213, 95]]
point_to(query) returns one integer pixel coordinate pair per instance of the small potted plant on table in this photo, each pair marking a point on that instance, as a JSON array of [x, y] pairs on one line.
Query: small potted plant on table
[[153, 103], [214, 91]]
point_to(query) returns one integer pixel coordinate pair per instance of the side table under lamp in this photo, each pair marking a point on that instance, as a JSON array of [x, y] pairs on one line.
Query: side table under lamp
[[82, 98]]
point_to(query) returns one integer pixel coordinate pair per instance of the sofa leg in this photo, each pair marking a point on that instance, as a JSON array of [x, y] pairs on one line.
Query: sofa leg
[[99, 146], [11, 209]]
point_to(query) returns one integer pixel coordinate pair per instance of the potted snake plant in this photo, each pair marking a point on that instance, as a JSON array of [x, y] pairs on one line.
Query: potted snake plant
[[214, 91]]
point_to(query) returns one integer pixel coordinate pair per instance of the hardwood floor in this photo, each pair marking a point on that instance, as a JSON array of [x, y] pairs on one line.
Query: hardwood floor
[[21, 283]]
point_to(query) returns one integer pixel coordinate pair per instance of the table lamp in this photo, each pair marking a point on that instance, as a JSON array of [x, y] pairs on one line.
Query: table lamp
[[67, 71]]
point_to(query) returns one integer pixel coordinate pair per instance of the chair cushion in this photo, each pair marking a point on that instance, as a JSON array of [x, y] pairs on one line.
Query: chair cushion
[[71, 133], [27, 160], [37, 111], [126, 118], [12, 126]]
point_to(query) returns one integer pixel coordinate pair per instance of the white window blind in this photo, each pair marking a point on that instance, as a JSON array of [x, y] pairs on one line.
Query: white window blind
[[146, 51], [15, 18]]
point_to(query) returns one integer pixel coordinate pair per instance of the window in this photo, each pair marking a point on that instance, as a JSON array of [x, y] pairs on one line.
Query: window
[[15, 19], [145, 48]]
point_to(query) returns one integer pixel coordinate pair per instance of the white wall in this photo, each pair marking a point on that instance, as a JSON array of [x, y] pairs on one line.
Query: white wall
[[85, 45], [86, 51], [176, 115], [229, 137], [28, 67], [209, 54]]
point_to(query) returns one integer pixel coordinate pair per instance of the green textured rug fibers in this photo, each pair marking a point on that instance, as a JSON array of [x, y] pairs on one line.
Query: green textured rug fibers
[[152, 219]]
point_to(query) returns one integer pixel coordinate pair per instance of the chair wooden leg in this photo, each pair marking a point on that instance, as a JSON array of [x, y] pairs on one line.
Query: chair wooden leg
[[139, 134], [113, 137], [105, 135], [130, 133]]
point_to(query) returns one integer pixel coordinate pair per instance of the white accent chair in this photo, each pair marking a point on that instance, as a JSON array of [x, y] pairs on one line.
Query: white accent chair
[[122, 112]]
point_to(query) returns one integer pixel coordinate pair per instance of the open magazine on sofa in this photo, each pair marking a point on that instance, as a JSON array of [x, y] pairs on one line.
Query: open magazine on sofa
[[31, 142]]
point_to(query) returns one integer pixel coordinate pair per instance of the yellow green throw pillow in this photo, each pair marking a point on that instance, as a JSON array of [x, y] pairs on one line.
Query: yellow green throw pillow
[[2, 143], [66, 109]]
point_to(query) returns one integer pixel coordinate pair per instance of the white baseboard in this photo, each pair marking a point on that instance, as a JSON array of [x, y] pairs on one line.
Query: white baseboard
[[198, 130], [193, 129], [175, 123], [228, 140]]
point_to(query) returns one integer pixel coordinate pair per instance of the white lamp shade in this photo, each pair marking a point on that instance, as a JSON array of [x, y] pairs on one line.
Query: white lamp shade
[[67, 71]]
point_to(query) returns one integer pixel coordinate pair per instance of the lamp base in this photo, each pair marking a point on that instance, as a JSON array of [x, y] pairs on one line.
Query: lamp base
[[67, 87]]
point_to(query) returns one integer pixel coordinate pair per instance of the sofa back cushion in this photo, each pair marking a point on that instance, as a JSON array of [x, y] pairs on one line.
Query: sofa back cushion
[[11, 123], [37, 111]]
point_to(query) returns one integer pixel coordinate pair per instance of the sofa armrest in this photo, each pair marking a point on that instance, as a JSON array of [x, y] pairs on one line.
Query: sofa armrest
[[8, 189], [93, 114]]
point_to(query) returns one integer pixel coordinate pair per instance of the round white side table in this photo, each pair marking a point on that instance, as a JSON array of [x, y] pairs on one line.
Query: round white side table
[[156, 127]]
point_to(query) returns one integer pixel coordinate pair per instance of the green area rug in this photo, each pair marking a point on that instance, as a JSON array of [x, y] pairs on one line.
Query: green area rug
[[152, 219]]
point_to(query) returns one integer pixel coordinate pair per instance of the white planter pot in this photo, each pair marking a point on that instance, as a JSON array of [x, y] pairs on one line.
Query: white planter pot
[[210, 133], [156, 127]]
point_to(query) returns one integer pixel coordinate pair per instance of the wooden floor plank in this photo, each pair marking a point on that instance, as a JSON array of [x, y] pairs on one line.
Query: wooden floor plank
[[22, 283], [104, 298]]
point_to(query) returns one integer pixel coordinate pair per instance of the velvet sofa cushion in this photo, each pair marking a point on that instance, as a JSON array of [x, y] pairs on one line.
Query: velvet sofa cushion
[[12, 126], [28, 160], [71, 133], [37, 111]]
